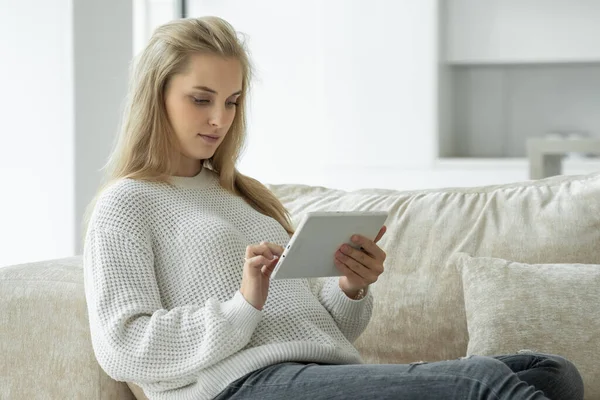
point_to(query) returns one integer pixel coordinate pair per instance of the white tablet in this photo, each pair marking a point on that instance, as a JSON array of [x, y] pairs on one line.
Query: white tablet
[[311, 250]]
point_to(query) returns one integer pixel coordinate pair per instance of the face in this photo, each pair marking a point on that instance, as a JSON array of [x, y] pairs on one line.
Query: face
[[201, 106]]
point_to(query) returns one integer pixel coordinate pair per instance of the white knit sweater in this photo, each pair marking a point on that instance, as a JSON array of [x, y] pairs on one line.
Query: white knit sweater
[[163, 267]]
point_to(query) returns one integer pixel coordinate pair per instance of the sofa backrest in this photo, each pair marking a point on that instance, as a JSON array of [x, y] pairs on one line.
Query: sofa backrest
[[419, 308]]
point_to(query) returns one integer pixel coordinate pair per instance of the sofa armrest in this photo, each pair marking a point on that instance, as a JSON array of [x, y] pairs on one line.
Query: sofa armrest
[[44, 335]]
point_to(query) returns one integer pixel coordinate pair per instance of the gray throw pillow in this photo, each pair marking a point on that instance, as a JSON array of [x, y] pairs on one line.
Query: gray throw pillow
[[548, 308]]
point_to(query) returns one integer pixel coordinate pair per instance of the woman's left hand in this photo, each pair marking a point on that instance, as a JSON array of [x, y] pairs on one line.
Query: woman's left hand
[[360, 267]]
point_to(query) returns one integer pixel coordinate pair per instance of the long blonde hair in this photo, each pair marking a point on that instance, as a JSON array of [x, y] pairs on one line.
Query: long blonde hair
[[146, 147]]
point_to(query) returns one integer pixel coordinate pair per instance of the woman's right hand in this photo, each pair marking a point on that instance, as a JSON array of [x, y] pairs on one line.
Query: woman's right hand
[[261, 260]]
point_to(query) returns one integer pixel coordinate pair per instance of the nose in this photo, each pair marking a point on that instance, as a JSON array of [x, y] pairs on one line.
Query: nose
[[216, 117]]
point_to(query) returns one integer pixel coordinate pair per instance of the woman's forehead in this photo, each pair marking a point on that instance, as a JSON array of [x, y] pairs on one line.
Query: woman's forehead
[[221, 75]]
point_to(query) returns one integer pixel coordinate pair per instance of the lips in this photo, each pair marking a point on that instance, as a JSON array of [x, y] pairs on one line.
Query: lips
[[210, 139]]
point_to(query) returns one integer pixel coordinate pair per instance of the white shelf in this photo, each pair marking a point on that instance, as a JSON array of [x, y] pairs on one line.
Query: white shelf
[[529, 31], [516, 62]]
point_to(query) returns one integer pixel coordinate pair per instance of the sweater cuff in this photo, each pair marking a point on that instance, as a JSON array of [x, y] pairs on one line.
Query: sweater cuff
[[241, 314], [341, 304]]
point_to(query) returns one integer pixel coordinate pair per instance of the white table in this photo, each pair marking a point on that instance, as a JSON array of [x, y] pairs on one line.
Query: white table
[[545, 155]]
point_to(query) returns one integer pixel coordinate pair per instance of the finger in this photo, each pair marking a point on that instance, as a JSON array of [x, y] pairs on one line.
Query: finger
[[261, 249], [265, 271], [358, 255], [374, 266], [347, 272], [268, 269], [259, 261], [254, 250], [369, 247], [276, 249], [358, 268]]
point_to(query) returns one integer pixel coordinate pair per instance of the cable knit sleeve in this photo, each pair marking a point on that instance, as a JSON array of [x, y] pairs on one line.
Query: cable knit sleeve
[[134, 338], [351, 316]]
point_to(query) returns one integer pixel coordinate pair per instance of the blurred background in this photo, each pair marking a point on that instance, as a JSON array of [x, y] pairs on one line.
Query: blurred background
[[407, 95]]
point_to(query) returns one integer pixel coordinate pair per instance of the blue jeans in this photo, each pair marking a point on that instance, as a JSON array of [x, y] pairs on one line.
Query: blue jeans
[[532, 376]]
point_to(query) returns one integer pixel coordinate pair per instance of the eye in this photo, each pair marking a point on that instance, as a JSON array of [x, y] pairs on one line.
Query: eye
[[204, 101]]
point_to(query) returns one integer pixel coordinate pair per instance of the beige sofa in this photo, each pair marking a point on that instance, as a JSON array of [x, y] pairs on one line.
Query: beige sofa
[[419, 311]]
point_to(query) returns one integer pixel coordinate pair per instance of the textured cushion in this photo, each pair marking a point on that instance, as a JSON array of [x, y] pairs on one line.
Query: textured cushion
[[418, 312], [45, 339], [549, 308], [137, 391]]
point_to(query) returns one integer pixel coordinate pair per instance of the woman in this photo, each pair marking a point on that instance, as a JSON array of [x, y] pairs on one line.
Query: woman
[[180, 246]]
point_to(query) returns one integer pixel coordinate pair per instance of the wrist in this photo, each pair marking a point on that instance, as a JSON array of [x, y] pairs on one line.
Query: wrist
[[251, 300], [355, 293]]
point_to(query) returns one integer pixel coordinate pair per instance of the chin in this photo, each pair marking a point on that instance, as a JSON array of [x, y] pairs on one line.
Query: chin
[[198, 155], [205, 155]]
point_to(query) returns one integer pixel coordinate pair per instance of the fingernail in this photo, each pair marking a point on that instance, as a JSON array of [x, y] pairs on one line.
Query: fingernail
[[355, 238]]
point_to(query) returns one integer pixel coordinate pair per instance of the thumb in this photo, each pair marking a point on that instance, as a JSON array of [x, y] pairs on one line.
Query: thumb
[[380, 234], [270, 267]]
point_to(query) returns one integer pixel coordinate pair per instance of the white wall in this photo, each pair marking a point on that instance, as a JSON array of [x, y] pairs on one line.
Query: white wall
[[149, 14], [342, 86], [64, 68], [36, 150]]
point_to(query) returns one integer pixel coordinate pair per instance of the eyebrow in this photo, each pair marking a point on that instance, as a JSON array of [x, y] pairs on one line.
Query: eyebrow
[[207, 89]]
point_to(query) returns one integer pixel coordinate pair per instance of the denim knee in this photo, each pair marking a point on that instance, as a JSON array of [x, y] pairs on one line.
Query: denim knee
[[488, 364], [567, 373], [495, 379], [486, 369]]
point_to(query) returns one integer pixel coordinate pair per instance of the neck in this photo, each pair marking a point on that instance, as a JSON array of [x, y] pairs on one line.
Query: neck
[[190, 171]]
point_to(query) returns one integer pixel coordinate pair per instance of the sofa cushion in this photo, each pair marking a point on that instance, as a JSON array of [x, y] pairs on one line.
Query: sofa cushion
[[547, 308], [45, 337], [137, 391], [419, 310]]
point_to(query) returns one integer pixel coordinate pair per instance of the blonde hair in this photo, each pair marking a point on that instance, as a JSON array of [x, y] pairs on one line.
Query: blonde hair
[[146, 147]]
